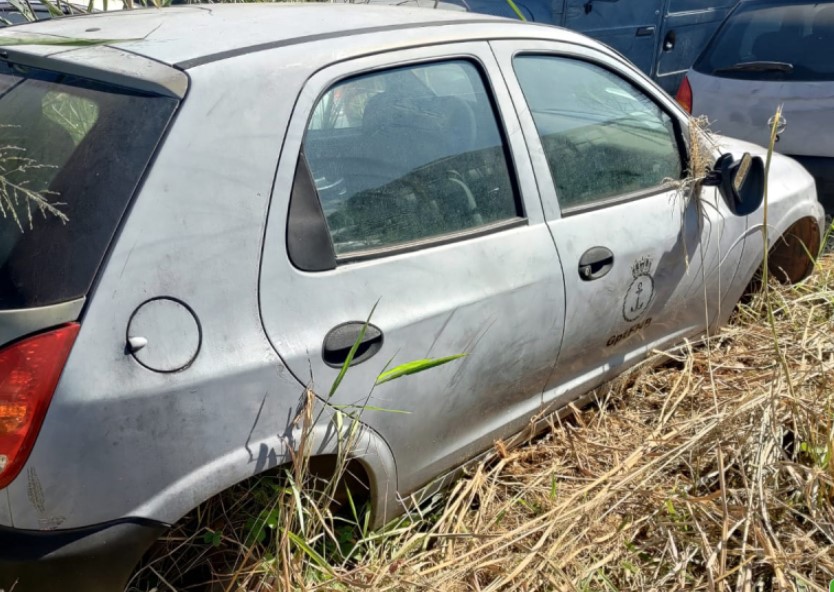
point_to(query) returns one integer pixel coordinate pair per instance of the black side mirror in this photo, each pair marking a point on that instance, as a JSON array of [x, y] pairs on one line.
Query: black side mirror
[[741, 182]]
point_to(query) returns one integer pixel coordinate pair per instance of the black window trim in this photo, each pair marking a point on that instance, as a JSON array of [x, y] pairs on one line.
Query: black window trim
[[680, 138], [301, 192]]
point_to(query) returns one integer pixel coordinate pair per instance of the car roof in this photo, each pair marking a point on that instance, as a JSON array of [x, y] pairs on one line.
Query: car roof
[[186, 35], [150, 49]]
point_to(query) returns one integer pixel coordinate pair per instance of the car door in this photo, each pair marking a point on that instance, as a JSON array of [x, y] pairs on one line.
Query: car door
[[687, 27], [629, 27], [401, 187], [646, 261]]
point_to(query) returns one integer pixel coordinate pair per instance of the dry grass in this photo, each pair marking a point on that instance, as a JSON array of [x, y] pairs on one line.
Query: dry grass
[[706, 468], [712, 471]]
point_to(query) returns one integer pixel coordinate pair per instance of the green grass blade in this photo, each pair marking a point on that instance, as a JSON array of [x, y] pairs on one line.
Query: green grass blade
[[23, 9], [53, 10], [414, 367], [310, 552], [516, 10], [351, 353]]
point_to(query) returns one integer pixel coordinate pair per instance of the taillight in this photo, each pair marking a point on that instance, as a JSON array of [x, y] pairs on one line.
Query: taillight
[[684, 95], [29, 373]]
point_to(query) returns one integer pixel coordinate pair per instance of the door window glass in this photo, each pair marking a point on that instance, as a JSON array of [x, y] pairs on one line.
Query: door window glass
[[601, 136], [408, 154]]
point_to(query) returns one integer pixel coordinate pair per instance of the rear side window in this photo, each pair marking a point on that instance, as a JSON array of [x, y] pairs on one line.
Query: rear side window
[[774, 42], [602, 137], [408, 154], [71, 155]]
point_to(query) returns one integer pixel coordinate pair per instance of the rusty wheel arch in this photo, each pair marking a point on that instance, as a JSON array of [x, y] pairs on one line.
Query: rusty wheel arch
[[793, 255]]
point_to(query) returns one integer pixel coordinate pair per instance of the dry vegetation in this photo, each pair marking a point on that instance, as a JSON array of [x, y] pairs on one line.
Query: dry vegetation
[[706, 468]]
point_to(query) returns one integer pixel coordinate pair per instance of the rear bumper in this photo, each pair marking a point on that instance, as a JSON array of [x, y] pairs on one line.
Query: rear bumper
[[99, 558], [822, 169]]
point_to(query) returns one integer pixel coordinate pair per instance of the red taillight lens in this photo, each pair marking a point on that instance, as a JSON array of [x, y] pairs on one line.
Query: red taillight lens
[[29, 373], [684, 95]]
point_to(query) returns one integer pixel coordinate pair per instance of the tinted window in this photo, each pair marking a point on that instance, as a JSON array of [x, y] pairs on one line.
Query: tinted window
[[408, 154], [601, 136], [778, 42], [71, 154]]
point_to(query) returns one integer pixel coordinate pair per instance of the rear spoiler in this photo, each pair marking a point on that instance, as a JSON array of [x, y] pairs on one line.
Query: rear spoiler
[[94, 60]]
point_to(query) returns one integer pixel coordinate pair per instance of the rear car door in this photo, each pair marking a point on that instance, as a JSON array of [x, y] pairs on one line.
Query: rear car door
[[401, 185], [642, 255], [687, 27], [629, 27]]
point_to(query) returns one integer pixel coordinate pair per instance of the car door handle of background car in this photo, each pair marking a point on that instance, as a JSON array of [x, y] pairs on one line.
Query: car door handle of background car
[[341, 338], [595, 263], [645, 31]]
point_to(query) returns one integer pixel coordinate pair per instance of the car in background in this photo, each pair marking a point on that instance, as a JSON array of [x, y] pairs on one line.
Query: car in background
[[20, 12], [222, 227], [770, 53]]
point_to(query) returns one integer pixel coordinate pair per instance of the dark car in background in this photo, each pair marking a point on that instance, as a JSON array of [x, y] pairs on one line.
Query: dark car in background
[[770, 53], [661, 37], [19, 12]]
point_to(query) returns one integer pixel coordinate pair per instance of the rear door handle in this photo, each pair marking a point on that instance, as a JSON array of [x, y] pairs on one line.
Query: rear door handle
[[595, 263], [340, 340], [669, 41], [645, 31]]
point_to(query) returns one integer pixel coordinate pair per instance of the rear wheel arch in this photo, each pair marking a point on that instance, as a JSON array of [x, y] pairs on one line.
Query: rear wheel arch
[[231, 513]]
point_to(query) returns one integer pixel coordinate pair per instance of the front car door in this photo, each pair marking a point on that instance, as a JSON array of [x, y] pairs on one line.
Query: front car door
[[407, 189], [645, 261]]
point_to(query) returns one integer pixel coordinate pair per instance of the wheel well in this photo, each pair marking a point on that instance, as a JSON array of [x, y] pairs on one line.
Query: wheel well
[[793, 255], [208, 540], [353, 478]]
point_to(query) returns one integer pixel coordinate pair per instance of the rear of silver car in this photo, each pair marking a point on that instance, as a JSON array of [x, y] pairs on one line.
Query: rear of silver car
[[770, 53], [73, 151]]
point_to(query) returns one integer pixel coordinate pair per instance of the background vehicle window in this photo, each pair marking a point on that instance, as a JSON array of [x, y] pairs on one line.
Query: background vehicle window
[[601, 136], [408, 154], [798, 37]]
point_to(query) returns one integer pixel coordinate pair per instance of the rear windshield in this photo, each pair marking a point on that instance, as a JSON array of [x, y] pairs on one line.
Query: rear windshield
[[72, 152], [774, 42]]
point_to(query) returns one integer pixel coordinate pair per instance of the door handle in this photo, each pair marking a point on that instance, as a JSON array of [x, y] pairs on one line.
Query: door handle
[[340, 339], [645, 31], [669, 41], [595, 263]]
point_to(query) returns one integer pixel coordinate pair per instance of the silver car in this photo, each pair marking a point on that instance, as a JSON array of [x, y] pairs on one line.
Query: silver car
[[220, 195], [770, 53]]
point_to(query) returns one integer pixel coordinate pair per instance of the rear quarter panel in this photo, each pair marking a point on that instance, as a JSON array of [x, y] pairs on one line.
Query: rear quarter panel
[[122, 440]]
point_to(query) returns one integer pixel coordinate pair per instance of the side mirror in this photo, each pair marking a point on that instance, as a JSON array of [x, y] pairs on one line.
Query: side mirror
[[741, 182]]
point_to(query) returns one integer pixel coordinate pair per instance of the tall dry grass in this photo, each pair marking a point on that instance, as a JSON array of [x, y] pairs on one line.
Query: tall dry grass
[[703, 469]]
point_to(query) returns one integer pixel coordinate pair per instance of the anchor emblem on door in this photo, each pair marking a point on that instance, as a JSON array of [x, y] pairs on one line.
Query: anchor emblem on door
[[640, 291]]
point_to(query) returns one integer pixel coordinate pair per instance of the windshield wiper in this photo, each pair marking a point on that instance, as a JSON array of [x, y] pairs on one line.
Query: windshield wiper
[[757, 66]]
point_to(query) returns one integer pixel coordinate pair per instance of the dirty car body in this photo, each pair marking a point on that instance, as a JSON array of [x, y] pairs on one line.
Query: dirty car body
[[508, 191]]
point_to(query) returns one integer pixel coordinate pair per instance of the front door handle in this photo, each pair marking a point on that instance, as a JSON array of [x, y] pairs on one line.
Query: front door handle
[[340, 340], [645, 31], [595, 263]]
